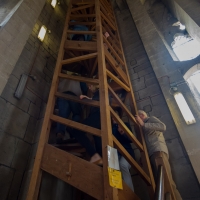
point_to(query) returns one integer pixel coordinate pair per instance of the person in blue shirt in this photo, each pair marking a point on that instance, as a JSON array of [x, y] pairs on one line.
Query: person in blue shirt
[[126, 143], [80, 37]]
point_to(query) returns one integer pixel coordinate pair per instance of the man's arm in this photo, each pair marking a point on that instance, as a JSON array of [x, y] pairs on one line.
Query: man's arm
[[155, 125]]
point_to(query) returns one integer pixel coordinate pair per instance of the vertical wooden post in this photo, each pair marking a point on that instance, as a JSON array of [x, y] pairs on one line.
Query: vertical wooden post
[[37, 172], [106, 130]]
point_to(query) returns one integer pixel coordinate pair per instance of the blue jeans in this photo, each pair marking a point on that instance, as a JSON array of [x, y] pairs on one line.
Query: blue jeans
[[92, 120], [65, 108]]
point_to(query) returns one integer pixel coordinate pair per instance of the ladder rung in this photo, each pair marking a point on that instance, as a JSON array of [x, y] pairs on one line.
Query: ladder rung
[[76, 125], [122, 105], [82, 2], [87, 102], [81, 32], [108, 21], [82, 23], [126, 130], [131, 161], [80, 45], [72, 16], [119, 82], [81, 7], [115, 67], [79, 78], [79, 58]]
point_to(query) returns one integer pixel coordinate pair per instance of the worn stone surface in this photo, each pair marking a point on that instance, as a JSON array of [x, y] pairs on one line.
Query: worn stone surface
[[6, 175], [16, 122], [151, 98], [8, 147]]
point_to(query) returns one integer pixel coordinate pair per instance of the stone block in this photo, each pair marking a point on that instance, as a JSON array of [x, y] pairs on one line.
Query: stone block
[[185, 178], [32, 97], [142, 67], [145, 72], [21, 155], [142, 103], [16, 122], [25, 185], [6, 175], [3, 110], [38, 130], [158, 100], [149, 91], [8, 94], [151, 81], [34, 111], [15, 186], [8, 146], [138, 84], [30, 131], [160, 110]]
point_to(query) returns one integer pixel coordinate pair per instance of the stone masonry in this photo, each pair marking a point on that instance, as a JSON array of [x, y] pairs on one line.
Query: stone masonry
[[21, 120], [149, 96]]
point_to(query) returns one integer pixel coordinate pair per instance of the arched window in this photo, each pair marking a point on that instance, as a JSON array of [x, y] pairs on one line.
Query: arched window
[[192, 76], [185, 47]]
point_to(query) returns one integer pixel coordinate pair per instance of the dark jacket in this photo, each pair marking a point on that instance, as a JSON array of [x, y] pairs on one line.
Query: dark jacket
[[123, 139]]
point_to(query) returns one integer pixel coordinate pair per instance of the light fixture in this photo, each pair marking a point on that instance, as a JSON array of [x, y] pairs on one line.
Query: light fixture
[[42, 33], [181, 27], [53, 3], [20, 88], [184, 108]]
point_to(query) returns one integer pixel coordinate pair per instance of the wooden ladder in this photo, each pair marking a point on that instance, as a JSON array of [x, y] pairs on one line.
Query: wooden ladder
[[102, 56]]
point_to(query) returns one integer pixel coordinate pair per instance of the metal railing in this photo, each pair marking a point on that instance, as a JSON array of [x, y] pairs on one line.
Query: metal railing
[[159, 193]]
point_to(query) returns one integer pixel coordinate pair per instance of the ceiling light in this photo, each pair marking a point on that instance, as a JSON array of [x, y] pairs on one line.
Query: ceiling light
[[53, 3], [42, 33], [184, 108]]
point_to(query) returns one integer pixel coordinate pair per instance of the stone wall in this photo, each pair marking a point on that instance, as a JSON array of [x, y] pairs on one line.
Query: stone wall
[[149, 95], [21, 120], [14, 34]]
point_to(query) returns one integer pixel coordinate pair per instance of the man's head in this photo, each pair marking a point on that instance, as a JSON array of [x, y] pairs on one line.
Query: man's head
[[142, 114], [92, 88]]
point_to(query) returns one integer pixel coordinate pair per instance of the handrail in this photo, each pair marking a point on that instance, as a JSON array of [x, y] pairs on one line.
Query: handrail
[[159, 193]]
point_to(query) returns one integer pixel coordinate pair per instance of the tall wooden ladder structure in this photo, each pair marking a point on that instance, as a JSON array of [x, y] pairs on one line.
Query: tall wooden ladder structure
[[103, 56]]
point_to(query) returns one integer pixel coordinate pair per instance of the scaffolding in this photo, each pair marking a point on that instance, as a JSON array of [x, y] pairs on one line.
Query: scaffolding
[[104, 65]]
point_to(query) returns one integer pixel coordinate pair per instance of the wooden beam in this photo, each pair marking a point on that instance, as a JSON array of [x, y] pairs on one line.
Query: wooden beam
[[77, 172], [82, 7], [76, 125], [125, 109], [81, 32], [106, 129], [79, 58], [108, 21], [113, 51], [82, 2], [119, 82], [127, 193], [126, 130], [116, 67], [36, 172], [94, 67], [80, 45], [131, 161], [79, 78], [81, 16], [87, 102], [82, 23]]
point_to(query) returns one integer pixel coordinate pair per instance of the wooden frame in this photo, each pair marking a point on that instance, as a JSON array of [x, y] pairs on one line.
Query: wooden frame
[[92, 55]]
